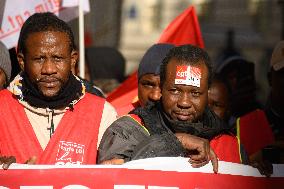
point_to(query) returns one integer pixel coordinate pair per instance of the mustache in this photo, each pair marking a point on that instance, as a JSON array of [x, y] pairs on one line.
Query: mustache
[[49, 79], [181, 112]]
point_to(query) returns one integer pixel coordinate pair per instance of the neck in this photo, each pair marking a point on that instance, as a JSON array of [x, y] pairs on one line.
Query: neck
[[71, 91]]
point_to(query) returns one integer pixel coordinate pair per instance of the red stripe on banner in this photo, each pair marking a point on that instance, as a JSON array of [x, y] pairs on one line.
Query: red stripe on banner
[[109, 178]]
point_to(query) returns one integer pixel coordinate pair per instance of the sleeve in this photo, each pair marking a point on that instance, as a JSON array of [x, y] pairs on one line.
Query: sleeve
[[159, 145], [120, 139]]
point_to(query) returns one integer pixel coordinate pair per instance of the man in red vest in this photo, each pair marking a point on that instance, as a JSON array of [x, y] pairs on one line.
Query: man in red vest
[[47, 117], [169, 127]]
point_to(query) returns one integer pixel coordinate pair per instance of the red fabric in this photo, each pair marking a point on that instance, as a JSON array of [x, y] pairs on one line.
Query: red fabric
[[74, 140], [255, 132], [127, 108], [122, 97], [128, 85], [184, 29], [226, 148]]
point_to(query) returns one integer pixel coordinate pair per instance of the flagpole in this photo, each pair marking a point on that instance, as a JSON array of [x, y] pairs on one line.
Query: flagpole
[[81, 41]]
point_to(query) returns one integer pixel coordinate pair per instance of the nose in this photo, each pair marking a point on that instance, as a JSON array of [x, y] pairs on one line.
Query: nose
[[184, 101], [155, 95], [48, 67]]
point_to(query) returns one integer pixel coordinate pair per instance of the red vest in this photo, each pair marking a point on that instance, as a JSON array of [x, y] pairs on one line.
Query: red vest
[[226, 147], [254, 131], [73, 142]]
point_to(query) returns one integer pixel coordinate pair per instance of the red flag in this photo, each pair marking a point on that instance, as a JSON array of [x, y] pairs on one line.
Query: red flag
[[184, 29]]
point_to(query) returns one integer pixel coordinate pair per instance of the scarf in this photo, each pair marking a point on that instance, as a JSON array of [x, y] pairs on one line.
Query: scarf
[[70, 92], [157, 122]]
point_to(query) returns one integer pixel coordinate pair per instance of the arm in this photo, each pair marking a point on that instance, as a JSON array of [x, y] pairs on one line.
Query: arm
[[120, 140], [180, 144]]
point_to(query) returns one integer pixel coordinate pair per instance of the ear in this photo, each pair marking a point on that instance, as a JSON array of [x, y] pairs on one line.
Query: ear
[[74, 59], [21, 60]]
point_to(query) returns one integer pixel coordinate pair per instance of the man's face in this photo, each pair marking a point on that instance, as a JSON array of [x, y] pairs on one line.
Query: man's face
[[184, 102], [149, 89], [2, 79], [48, 61], [218, 99]]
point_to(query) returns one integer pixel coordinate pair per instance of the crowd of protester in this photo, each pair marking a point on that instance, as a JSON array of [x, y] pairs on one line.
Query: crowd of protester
[[187, 105]]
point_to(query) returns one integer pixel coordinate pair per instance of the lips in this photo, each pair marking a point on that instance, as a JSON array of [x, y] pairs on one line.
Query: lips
[[184, 116], [49, 82]]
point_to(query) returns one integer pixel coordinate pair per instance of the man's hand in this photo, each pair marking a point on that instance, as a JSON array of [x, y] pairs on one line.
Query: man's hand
[[200, 152], [7, 161], [114, 161]]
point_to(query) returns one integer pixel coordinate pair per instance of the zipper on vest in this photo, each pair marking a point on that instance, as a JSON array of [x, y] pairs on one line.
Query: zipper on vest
[[50, 121]]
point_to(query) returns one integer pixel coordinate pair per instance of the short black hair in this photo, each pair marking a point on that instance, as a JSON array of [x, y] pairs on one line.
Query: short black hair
[[188, 54], [41, 22]]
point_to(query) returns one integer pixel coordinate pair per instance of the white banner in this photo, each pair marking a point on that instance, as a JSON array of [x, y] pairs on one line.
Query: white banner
[[17, 11]]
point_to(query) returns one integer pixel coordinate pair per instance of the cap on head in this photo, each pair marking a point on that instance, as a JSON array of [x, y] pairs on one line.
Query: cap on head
[[5, 61], [277, 59], [236, 60], [152, 59]]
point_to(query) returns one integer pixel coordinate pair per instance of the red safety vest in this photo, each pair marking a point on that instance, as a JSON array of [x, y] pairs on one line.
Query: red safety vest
[[254, 131], [73, 142], [226, 147]]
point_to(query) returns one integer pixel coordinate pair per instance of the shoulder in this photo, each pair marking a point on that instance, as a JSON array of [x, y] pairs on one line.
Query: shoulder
[[5, 94], [128, 124], [5, 91], [92, 99], [109, 107]]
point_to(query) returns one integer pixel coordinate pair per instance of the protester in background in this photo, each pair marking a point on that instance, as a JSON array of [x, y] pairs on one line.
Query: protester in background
[[5, 66], [148, 77], [46, 115], [149, 73], [106, 67], [218, 98], [274, 108], [239, 73], [173, 125], [247, 115]]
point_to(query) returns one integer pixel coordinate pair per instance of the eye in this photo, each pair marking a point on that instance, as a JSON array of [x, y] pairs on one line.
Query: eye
[[39, 59], [174, 91], [219, 105], [195, 93], [58, 58], [148, 84]]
